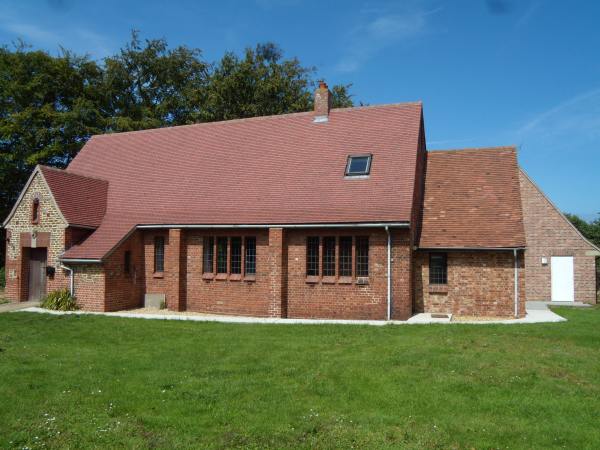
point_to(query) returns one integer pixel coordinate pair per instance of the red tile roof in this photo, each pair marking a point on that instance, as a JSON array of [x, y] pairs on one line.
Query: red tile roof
[[82, 200], [268, 170], [472, 200]]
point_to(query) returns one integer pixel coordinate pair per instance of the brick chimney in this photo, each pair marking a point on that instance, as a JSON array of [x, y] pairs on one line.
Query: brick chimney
[[323, 99]]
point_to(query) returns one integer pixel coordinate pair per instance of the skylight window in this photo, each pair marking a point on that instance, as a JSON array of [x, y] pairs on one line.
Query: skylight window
[[358, 165]]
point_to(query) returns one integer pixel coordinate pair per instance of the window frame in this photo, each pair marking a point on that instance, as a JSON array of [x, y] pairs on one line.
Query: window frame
[[239, 261], [329, 265], [315, 241], [367, 171], [159, 256], [208, 252], [220, 264], [348, 258], [35, 211], [358, 262], [127, 262], [433, 278], [247, 248]]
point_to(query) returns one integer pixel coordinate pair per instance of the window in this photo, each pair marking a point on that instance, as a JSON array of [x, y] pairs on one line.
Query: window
[[312, 256], [362, 256], [329, 256], [127, 262], [358, 165], [250, 261], [159, 254], [208, 254], [438, 268], [222, 255], [35, 211], [345, 269], [235, 262]]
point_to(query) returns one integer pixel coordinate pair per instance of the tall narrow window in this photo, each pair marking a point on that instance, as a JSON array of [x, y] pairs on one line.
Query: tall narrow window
[[159, 254], [438, 268], [222, 255], [127, 262], [312, 256], [235, 263], [208, 254], [35, 211], [362, 256], [345, 269], [250, 259], [329, 256]]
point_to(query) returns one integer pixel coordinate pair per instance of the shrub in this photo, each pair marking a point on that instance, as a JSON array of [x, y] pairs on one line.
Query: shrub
[[2, 278], [61, 300]]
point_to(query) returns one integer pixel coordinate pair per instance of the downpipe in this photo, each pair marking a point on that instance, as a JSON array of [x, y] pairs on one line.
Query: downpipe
[[71, 279], [389, 273], [516, 284]]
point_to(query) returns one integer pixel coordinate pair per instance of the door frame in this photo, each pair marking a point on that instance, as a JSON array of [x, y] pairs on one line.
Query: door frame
[[36, 269], [557, 289]]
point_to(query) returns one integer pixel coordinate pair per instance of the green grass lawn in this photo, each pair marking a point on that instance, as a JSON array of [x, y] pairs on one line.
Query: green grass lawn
[[90, 381]]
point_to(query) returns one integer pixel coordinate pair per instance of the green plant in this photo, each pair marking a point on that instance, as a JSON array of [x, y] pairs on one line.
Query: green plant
[[163, 305], [2, 277], [61, 300]]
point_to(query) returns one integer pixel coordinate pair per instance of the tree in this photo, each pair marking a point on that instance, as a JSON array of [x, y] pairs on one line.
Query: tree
[[51, 105], [262, 83], [591, 230]]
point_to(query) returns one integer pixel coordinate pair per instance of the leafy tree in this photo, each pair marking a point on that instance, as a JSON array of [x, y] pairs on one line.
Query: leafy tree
[[262, 83], [150, 86], [51, 105], [591, 230]]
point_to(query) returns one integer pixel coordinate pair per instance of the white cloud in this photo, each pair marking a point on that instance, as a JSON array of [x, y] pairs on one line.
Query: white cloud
[[377, 33], [576, 120], [81, 40]]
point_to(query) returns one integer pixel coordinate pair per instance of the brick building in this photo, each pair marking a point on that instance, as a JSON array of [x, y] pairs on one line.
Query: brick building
[[335, 213]]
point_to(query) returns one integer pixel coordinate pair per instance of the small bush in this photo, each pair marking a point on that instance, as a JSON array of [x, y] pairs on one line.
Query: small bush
[[2, 278], [60, 301]]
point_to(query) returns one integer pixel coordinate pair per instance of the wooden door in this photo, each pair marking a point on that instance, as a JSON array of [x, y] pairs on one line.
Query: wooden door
[[37, 273]]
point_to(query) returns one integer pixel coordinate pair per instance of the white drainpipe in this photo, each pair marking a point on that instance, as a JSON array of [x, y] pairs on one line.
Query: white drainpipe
[[71, 279], [516, 284], [389, 273]]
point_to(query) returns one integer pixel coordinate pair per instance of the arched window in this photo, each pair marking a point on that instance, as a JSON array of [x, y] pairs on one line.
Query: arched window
[[35, 211]]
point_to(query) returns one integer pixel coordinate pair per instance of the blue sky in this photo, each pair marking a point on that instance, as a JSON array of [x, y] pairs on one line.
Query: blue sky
[[489, 72]]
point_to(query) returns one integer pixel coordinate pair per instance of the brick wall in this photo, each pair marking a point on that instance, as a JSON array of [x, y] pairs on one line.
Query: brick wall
[[237, 295], [90, 287], [331, 298], [279, 288], [549, 234], [125, 290], [20, 226], [480, 283]]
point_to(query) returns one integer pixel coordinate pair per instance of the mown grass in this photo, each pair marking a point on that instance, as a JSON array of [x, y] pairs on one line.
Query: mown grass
[[95, 382]]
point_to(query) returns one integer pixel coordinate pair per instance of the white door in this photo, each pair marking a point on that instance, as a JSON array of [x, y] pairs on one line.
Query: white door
[[563, 285]]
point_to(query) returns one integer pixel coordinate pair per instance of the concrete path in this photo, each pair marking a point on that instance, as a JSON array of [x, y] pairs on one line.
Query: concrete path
[[544, 305], [533, 316], [6, 307]]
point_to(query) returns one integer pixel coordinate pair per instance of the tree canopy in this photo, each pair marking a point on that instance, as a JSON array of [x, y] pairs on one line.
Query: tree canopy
[[50, 105]]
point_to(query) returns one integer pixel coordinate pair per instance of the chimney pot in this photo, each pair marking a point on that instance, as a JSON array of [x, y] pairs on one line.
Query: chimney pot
[[323, 100]]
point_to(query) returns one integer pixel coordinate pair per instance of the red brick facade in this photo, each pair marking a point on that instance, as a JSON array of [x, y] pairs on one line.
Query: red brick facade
[[549, 234], [480, 283]]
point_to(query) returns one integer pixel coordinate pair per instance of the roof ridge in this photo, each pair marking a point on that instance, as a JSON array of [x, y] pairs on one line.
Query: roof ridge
[[256, 118], [473, 149]]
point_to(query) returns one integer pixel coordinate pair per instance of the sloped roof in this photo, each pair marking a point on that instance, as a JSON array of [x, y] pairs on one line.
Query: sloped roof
[[82, 200], [472, 200], [268, 170]]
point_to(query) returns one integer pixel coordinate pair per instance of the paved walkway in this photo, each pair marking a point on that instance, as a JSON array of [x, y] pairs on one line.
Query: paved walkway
[[533, 316], [6, 307], [544, 305]]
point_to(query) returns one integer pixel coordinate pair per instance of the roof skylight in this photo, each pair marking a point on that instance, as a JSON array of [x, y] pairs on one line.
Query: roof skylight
[[358, 165]]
